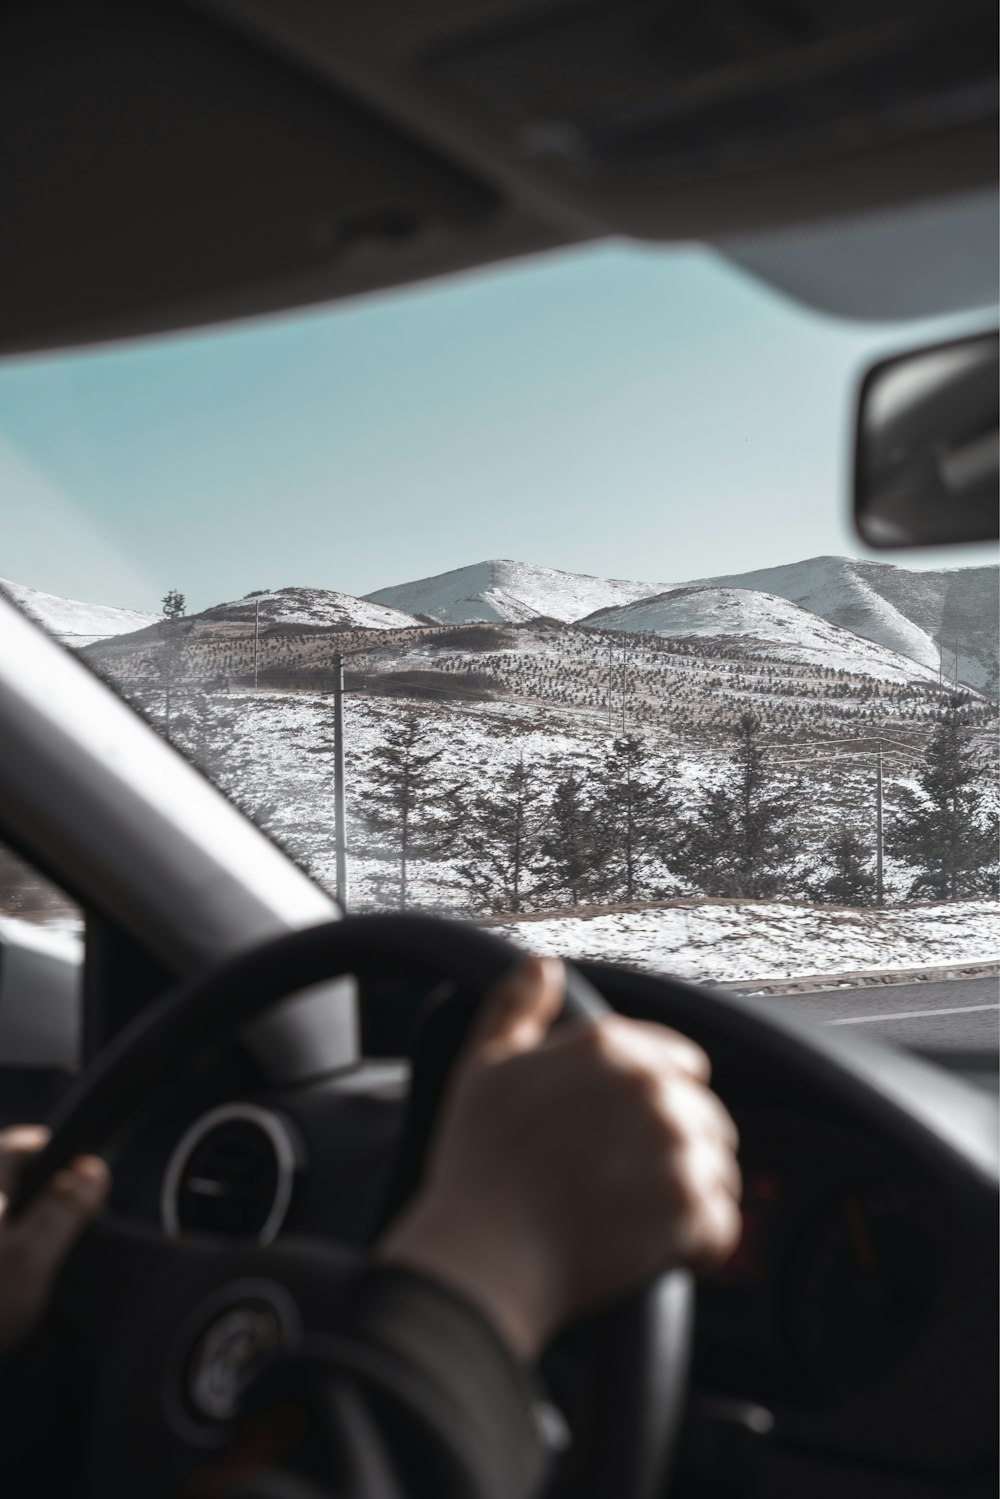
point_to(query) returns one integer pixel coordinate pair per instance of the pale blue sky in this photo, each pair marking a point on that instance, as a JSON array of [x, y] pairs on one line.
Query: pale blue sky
[[638, 413]]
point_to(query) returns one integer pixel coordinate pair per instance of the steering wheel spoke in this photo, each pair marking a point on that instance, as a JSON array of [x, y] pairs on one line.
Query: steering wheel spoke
[[112, 1260]]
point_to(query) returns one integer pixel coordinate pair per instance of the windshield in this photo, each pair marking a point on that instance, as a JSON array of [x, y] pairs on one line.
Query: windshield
[[559, 554]]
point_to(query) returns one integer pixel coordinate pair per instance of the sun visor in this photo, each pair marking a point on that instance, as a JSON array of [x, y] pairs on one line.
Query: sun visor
[[166, 165], [159, 171]]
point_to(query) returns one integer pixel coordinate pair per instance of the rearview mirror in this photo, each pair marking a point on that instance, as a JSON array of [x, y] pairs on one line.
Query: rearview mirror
[[927, 446]]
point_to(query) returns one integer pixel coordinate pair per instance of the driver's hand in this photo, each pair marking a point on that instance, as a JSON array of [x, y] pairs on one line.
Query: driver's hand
[[33, 1248], [568, 1167]]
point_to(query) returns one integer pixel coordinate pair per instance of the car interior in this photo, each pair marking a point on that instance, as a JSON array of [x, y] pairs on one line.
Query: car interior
[[175, 166]]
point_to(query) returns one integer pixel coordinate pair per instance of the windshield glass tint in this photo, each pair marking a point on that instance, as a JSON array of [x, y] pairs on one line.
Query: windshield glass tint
[[565, 546]]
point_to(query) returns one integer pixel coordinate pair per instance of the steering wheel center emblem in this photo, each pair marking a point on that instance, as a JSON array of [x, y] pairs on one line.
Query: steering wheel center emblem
[[219, 1350], [226, 1355]]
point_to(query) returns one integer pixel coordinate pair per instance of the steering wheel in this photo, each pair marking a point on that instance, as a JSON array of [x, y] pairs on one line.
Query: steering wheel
[[146, 1306]]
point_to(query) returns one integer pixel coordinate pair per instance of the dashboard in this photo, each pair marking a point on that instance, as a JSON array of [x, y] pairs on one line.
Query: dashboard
[[859, 1311], [857, 1319], [860, 1307]]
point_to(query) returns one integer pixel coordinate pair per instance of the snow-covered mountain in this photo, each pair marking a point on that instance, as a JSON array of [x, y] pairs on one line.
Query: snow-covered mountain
[[906, 609], [318, 607], [865, 617], [766, 626], [79, 624], [511, 591], [73, 621]]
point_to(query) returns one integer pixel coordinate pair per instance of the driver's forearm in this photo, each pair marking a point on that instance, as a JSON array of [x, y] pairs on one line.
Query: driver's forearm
[[488, 1258]]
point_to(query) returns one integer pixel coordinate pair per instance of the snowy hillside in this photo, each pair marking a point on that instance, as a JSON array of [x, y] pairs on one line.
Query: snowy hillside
[[958, 605], [511, 591], [73, 621], [319, 607], [837, 605], [902, 608], [905, 610], [691, 685], [272, 751], [766, 624]]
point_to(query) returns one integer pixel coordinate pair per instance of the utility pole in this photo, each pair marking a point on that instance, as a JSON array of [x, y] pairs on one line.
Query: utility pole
[[256, 638], [879, 885], [339, 778], [339, 801]]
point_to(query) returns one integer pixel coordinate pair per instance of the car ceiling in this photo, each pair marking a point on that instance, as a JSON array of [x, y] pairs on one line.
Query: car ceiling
[[165, 165]]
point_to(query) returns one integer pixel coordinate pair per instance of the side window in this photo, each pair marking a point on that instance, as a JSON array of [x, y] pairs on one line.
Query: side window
[[41, 985], [27, 895]]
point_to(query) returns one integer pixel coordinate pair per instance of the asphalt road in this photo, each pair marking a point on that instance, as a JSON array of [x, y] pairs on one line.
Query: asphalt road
[[941, 1015]]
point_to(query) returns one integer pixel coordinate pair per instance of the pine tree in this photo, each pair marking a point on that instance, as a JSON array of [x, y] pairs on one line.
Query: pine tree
[[739, 840], [633, 817], [943, 830], [174, 603], [406, 799], [851, 881], [570, 844], [495, 838]]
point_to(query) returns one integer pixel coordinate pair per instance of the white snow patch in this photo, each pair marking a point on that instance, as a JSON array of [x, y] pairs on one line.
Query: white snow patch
[[907, 609], [73, 621], [835, 589], [511, 591], [769, 625], [758, 940], [313, 606]]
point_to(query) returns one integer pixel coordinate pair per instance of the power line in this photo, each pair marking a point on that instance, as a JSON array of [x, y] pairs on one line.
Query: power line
[[845, 738], [823, 759]]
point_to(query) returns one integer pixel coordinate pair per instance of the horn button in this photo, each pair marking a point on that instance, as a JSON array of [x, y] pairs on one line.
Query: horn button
[[220, 1348]]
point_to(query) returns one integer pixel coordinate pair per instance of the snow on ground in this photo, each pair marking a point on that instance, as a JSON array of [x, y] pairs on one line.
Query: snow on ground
[[512, 591], [767, 624], [312, 606], [279, 754], [72, 620], [54, 934], [281, 744], [761, 940]]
